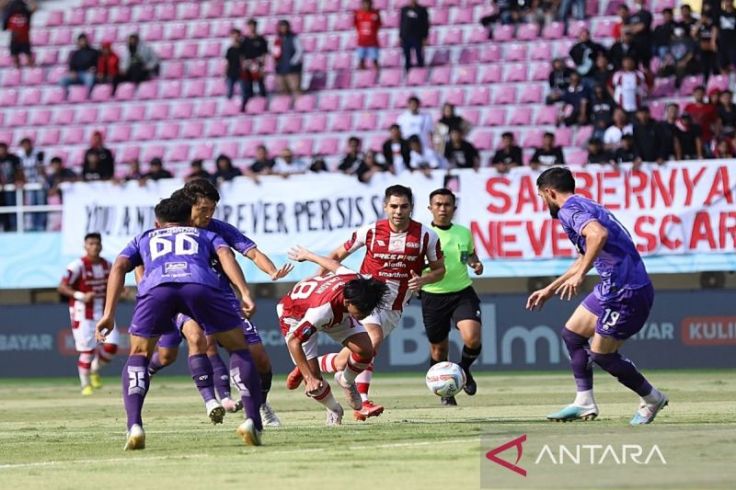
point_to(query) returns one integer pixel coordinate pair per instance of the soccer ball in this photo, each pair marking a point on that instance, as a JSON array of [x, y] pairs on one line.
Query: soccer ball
[[445, 379]]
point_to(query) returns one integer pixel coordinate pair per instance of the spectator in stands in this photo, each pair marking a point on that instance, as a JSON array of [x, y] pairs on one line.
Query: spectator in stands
[[255, 49], [415, 122], [451, 121], [156, 170], [508, 155], [596, 153], [354, 158], [34, 173], [669, 133], [679, 60], [263, 164], [234, 67], [82, 66], [396, 152], [627, 153], [369, 167], [726, 114], [57, 175], [640, 24], [663, 33], [198, 172], [422, 157], [108, 64], [135, 172], [11, 173], [703, 114], [727, 36], [367, 22], [289, 55], [623, 48], [687, 21], [603, 72], [140, 62], [413, 32], [601, 111], [105, 162], [584, 54], [576, 7], [319, 164], [576, 100], [226, 171], [706, 33], [559, 79], [548, 154], [724, 148], [691, 142], [92, 170], [17, 20], [615, 133], [287, 165], [461, 153], [647, 139], [629, 85]]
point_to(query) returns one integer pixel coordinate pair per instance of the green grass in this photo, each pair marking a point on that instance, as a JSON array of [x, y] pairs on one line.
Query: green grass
[[51, 437]]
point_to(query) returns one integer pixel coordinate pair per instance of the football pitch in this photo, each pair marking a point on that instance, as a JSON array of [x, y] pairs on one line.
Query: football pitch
[[52, 438]]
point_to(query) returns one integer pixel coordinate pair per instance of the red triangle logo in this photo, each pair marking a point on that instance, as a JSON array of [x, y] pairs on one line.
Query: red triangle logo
[[492, 455]]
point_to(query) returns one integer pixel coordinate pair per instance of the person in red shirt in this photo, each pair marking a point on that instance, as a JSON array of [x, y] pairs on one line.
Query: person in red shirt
[[703, 114], [17, 20], [367, 22], [108, 64]]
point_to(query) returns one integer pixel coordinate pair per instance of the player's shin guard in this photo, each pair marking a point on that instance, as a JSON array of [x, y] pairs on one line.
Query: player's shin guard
[[154, 365], [577, 347], [83, 366], [363, 381], [245, 376], [624, 370], [221, 376], [104, 355], [469, 356], [325, 397], [327, 363], [135, 386], [356, 365], [266, 379], [201, 371]]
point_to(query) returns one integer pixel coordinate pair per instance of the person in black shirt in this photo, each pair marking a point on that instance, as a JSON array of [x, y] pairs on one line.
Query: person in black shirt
[[460, 153], [354, 158], [584, 54], [91, 169], [549, 154], [691, 144], [663, 33], [105, 163], [623, 48], [198, 171], [508, 155], [134, 171], [156, 170], [727, 36], [601, 110], [687, 21], [576, 99], [255, 49], [369, 167], [726, 113], [396, 151], [225, 169], [646, 137], [640, 24], [82, 66], [11, 172], [234, 66], [596, 153], [452, 120], [58, 174], [669, 134], [559, 79], [705, 32], [263, 164], [413, 32], [626, 153]]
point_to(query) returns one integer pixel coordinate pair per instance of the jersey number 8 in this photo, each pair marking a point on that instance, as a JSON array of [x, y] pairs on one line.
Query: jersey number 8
[[305, 288]]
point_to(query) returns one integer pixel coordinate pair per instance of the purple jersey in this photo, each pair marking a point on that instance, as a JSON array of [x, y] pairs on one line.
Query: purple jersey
[[179, 254], [619, 263], [232, 236]]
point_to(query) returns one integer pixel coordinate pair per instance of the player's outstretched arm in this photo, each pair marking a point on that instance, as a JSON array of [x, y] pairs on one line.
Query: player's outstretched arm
[[232, 271], [301, 254], [537, 299], [595, 238], [115, 286], [264, 263]]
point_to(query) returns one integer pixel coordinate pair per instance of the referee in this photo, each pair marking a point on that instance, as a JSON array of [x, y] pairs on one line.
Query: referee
[[453, 298]]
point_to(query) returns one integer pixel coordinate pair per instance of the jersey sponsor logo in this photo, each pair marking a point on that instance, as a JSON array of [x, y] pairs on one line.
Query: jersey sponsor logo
[[412, 245], [175, 267]]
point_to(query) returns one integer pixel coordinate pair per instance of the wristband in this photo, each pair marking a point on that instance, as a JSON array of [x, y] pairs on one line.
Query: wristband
[[79, 295]]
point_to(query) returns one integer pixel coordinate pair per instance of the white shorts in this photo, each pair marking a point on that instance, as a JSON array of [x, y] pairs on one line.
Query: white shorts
[[386, 319], [84, 336]]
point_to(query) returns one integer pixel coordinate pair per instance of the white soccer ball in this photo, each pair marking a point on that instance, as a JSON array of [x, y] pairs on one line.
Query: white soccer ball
[[445, 379]]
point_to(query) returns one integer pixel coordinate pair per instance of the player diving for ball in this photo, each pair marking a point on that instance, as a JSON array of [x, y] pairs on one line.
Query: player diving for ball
[[178, 278], [617, 308]]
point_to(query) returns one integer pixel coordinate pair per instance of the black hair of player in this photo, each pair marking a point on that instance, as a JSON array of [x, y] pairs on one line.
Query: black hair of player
[[197, 188], [557, 178], [173, 211], [399, 191], [366, 294], [442, 192], [93, 236]]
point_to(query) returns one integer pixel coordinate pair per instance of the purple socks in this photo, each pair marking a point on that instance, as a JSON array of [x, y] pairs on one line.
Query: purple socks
[[245, 376], [201, 370], [624, 370], [135, 385], [577, 346], [154, 365], [221, 376]]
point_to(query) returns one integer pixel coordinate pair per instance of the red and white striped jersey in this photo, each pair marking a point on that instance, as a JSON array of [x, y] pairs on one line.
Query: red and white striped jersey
[[390, 256], [629, 89], [85, 276], [318, 303]]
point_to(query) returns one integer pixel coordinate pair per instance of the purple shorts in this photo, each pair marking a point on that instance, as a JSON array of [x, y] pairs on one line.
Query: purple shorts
[[623, 315], [155, 309]]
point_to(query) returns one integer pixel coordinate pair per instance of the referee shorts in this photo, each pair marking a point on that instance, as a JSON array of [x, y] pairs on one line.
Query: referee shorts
[[440, 310]]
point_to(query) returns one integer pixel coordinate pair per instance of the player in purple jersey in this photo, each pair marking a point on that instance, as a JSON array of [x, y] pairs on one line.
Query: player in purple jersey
[[615, 310], [204, 197], [178, 278]]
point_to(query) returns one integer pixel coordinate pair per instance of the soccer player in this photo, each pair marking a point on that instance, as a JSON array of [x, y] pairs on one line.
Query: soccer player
[[178, 278], [204, 197], [397, 249], [85, 283], [615, 310], [453, 298], [333, 304]]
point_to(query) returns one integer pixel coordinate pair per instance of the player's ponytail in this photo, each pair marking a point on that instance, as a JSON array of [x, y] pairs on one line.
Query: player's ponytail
[[366, 294]]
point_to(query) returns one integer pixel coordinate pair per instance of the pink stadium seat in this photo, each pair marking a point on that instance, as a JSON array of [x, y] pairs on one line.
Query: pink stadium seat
[[576, 157], [97, 16], [173, 70], [689, 83], [531, 94], [342, 61], [49, 137], [327, 146], [205, 109], [495, 116], [147, 90], [440, 17], [455, 96], [130, 153], [563, 135], [316, 62], [479, 96], [461, 16], [553, 30], [55, 18], [74, 17], [120, 15], [365, 79], [378, 101], [367, 121], [144, 131], [256, 106], [187, 50], [452, 37], [218, 128], [540, 72], [391, 58], [430, 97], [214, 9], [316, 23], [229, 148], [194, 89], [541, 52], [168, 131], [110, 113], [329, 102], [165, 12], [32, 76], [102, 93], [61, 37], [243, 127], [490, 53], [575, 27], [468, 56], [266, 125], [717, 81], [603, 28], [280, 104], [151, 152], [472, 116], [389, 78], [307, 7], [532, 138], [316, 123], [515, 72], [292, 124], [417, 76], [664, 87], [212, 49], [178, 153], [305, 103], [527, 32], [303, 147], [331, 42], [343, 22], [465, 74], [64, 117], [134, 113], [196, 69], [11, 78], [157, 111], [30, 97], [504, 94], [47, 58], [515, 52], [483, 140], [490, 74], [503, 33], [478, 35], [41, 37], [73, 135], [546, 114], [353, 102], [17, 118], [86, 115], [342, 121], [189, 11]]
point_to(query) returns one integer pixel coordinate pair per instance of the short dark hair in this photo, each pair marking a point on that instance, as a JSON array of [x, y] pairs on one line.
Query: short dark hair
[[549, 134], [197, 188], [173, 210], [595, 141], [667, 11], [93, 236], [252, 22], [354, 139], [157, 161], [82, 36], [442, 191], [235, 30], [414, 98], [3, 145], [26, 140], [507, 134], [56, 160], [414, 139], [399, 191], [699, 87], [198, 162], [642, 108], [557, 178], [394, 126], [366, 294]]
